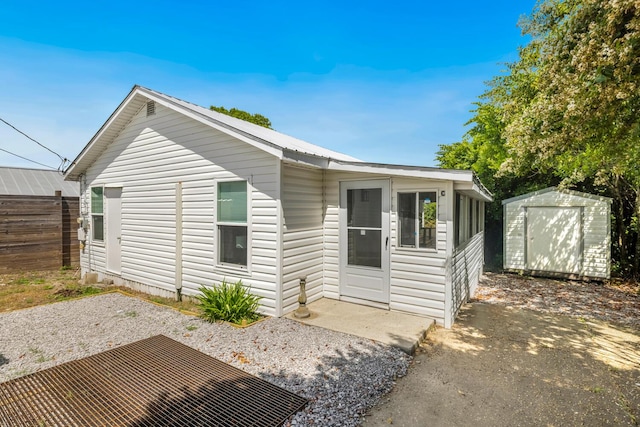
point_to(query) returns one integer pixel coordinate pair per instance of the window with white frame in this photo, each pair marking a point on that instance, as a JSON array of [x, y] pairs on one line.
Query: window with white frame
[[97, 213], [418, 219], [232, 223], [468, 218]]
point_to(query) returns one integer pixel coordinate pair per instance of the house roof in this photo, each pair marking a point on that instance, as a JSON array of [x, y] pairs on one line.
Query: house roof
[[268, 140], [559, 190], [283, 146], [35, 182]]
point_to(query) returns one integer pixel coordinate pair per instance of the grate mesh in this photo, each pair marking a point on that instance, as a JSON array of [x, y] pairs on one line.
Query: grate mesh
[[153, 382]]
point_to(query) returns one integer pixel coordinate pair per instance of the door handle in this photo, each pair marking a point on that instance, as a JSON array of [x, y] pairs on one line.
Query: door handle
[[386, 243]]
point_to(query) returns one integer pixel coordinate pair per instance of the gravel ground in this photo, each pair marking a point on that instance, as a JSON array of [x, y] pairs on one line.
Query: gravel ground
[[340, 374]]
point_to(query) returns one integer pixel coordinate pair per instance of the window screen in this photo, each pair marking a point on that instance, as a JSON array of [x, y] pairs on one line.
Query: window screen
[[417, 219], [97, 213], [232, 222]]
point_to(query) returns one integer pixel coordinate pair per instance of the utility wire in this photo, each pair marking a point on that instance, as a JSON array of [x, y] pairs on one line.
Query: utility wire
[[29, 160], [63, 160]]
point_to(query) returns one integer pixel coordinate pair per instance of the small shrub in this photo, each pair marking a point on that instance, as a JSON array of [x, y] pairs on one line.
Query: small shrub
[[229, 302]]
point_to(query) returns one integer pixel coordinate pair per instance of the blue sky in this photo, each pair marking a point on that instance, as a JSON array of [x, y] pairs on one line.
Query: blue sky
[[382, 81]]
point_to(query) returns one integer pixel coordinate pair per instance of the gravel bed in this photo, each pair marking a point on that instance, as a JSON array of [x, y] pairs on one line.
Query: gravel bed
[[340, 374]]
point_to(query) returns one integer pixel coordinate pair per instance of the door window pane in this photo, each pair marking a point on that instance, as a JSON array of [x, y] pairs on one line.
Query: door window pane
[[232, 201], [365, 247], [364, 207]]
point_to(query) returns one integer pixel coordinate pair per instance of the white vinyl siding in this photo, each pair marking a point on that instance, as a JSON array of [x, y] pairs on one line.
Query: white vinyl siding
[[152, 154], [302, 255], [417, 276], [332, 231], [465, 269], [596, 240]]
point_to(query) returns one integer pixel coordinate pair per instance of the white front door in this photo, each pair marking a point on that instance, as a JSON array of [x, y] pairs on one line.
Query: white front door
[[364, 240], [113, 213], [554, 239]]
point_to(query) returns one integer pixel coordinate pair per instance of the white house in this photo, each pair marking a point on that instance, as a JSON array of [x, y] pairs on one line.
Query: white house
[[175, 196], [558, 232]]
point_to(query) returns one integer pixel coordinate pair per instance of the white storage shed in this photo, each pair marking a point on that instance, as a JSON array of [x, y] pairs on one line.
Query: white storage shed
[[558, 232]]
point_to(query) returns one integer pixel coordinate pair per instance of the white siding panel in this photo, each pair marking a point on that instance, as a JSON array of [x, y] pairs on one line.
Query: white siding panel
[[148, 158], [302, 206], [465, 270], [417, 277]]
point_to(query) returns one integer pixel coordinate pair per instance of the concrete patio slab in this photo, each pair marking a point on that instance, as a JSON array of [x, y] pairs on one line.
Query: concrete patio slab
[[401, 330]]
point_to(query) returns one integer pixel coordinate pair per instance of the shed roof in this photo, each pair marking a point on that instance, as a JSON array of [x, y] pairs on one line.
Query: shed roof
[[283, 146], [35, 182], [559, 190]]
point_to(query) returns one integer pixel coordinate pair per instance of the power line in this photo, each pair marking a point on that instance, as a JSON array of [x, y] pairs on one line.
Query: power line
[[29, 160], [63, 160]]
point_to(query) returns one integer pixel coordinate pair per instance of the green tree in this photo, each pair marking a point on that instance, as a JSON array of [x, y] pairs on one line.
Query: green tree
[[256, 118], [582, 122], [566, 112]]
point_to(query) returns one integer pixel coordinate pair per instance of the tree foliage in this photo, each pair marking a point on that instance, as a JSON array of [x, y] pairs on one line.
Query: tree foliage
[[256, 118], [566, 112]]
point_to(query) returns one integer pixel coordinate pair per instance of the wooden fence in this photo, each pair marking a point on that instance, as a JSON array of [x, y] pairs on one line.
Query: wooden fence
[[38, 232]]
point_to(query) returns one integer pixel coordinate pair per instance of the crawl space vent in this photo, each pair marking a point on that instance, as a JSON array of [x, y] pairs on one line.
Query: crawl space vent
[[151, 108]]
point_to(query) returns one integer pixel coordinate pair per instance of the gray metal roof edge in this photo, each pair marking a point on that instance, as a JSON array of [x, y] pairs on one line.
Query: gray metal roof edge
[[69, 172], [427, 169], [410, 167], [86, 148], [246, 134], [559, 190]]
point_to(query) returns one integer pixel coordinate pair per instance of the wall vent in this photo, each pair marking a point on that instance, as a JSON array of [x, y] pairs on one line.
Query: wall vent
[[151, 108]]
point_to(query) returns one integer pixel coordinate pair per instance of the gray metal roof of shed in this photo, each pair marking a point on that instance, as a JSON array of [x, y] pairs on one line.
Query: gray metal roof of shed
[[35, 182], [559, 190]]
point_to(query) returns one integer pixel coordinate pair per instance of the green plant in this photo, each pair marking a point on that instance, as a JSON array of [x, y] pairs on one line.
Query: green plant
[[229, 302], [191, 328]]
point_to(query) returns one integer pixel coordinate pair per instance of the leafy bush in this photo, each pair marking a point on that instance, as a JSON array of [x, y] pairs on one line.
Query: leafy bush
[[229, 302]]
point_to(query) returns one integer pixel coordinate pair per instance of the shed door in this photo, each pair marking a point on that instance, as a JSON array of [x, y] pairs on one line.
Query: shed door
[[554, 239], [364, 240], [113, 228]]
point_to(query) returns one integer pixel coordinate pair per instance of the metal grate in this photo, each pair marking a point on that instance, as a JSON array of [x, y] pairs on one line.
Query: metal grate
[[153, 382]]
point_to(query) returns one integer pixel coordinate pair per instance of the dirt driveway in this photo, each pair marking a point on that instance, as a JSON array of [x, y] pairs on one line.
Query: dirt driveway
[[505, 366]]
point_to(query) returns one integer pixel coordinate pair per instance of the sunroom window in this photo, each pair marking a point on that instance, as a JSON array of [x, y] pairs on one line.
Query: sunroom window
[[417, 217], [97, 213], [232, 223]]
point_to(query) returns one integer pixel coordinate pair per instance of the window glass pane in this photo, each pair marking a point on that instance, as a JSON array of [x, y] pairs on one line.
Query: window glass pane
[[364, 207], [365, 247], [232, 201], [428, 219], [470, 218], [456, 221], [233, 244], [96, 200], [98, 227], [407, 218]]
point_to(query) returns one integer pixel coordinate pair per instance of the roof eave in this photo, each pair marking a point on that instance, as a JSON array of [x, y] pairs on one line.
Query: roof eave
[[464, 179], [79, 164]]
